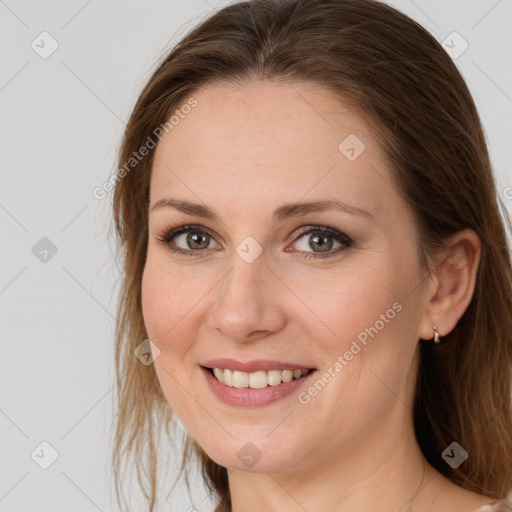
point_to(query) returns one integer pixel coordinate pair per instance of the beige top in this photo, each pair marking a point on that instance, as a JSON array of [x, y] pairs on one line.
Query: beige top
[[497, 506]]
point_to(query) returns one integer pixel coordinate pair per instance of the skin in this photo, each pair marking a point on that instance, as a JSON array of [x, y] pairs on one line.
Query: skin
[[244, 151]]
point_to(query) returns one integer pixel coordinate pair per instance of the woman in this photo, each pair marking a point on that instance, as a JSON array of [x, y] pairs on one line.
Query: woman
[[316, 252]]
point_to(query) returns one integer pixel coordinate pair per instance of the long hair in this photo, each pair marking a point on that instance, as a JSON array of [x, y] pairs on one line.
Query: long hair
[[399, 76]]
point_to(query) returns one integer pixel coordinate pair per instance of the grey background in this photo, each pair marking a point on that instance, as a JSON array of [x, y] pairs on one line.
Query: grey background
[[61, 123]]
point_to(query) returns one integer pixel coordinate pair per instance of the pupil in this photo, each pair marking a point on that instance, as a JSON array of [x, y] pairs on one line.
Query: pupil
[[322, 242], [195, 238]]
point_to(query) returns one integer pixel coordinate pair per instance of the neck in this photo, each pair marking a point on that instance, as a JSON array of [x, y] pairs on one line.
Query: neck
[[385, 471]]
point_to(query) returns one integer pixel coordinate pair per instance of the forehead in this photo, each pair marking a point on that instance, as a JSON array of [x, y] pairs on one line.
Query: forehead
[[269, 143], [302, 118]]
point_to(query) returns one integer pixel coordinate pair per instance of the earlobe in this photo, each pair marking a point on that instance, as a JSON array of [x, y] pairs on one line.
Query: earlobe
[[453, 284]]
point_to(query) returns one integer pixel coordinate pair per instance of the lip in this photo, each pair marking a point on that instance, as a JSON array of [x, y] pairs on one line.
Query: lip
[[249, 397], [254, 366]]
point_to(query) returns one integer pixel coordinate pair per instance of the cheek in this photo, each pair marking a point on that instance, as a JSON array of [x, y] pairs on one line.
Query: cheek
[[372, 318], [154, 301], [368, 360], [167, 304], [168, 307], [353, 298]]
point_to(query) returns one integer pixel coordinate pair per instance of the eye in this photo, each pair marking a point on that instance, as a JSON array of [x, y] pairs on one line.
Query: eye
[[313, 242], [322, 242], [188, 240]]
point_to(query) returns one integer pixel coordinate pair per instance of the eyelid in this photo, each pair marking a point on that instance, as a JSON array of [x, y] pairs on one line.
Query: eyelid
[[311, 228], [171, 232], [344, 240]]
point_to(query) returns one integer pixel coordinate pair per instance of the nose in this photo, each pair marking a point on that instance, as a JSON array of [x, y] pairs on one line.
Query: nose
[[247, 307]]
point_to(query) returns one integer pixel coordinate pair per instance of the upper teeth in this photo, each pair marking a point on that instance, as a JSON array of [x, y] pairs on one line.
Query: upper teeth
[[256, 380]]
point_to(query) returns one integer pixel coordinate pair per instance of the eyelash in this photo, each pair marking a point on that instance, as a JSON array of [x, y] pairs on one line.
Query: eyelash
[[170, 233]]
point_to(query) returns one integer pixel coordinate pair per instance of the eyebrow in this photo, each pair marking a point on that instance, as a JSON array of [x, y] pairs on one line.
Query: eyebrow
[[283, 212]]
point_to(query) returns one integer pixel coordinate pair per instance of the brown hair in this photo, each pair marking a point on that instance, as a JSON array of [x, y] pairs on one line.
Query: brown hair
[[395, 72]]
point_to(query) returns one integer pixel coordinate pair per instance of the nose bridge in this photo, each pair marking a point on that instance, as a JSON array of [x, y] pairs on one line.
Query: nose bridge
[[245, 300], [242, 293]]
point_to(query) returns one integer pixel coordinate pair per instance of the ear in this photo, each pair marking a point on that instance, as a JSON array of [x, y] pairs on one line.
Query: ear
[[452, 284]]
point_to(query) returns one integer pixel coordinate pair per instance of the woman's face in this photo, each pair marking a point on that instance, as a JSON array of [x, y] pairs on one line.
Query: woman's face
[[257, 281]]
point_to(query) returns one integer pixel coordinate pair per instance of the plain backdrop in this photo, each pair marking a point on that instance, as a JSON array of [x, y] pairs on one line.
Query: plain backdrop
[[62, 118]]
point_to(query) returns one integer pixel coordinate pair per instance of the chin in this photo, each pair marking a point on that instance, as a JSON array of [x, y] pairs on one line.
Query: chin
[[255, 455]]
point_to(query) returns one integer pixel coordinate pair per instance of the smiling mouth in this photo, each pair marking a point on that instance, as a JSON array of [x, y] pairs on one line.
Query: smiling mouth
[[257, 380]]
